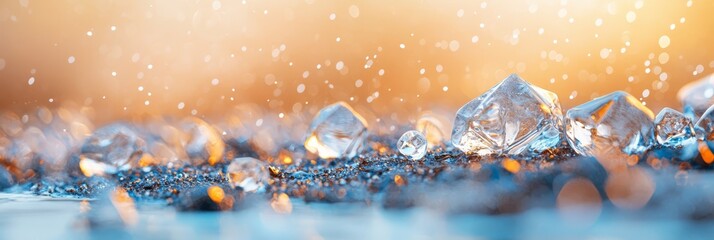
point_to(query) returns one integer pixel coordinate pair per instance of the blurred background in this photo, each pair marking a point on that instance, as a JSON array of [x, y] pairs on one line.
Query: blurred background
[[392, 59]]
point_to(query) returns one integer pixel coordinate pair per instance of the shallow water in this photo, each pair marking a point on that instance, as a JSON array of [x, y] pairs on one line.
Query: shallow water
[[40, 217]]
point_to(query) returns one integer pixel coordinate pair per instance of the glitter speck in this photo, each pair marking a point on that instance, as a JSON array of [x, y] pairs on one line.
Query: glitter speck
[[664, 41], [301, 88], [354, 11], [216, 5], [31, 81], [70, 59], [215, 81], [631, 16], [181, 105]]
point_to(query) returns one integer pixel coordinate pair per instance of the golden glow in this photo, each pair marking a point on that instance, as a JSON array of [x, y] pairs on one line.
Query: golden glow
[[579, 202], [281, 204], [511, 165], [216, 194], [706, 153], [147, 160], [399, 180], [632, 160], [91, 167], [124, 205], [630, 188]]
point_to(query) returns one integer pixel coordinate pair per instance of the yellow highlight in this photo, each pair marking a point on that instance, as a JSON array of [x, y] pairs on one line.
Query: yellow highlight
[[399, 180], [281, 204], [216, 194], [706, 153], [511, 165]]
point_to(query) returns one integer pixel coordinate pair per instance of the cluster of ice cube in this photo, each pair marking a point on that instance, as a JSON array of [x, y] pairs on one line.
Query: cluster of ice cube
[[517, 118]]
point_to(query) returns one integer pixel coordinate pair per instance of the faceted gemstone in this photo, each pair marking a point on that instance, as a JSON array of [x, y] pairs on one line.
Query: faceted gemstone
[[513, 117], [205, 144], [614, 123], [697, 96], [412, 144], [248, 173], [673, 129], [705, 126], [337, 131], [111, 148], [433, 130]]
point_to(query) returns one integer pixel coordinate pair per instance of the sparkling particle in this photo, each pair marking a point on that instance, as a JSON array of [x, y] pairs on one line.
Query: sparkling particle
[[70, 59], [216, 5], [353, 11], [215, 81], [631, 16], [664, 41], [454, 45], [474, 39], [514, 117], [31, 81], [301, 88], [181, 105], [412, 144], [604, 53], [616, 123], [336, 131]]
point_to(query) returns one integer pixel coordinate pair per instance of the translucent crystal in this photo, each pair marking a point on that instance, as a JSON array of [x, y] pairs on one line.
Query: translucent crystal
[[205, 144], [697, 96], [248, 173], [705, 126], [412, 144], [337, 131], [673, 129], [614, 123], [513, 117], [111, 148], [433, 130]]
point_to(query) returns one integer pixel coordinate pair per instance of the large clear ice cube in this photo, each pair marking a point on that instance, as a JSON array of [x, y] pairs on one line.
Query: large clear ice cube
[[337, 131], [513, 117], [612, 124]]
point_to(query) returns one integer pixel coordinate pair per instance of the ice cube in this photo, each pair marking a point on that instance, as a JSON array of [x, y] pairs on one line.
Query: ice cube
[[614, 123], [513, 117], [412, 144], [337, 131]]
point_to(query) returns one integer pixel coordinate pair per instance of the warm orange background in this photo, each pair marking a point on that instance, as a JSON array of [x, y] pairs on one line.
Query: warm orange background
[[260, 52]]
